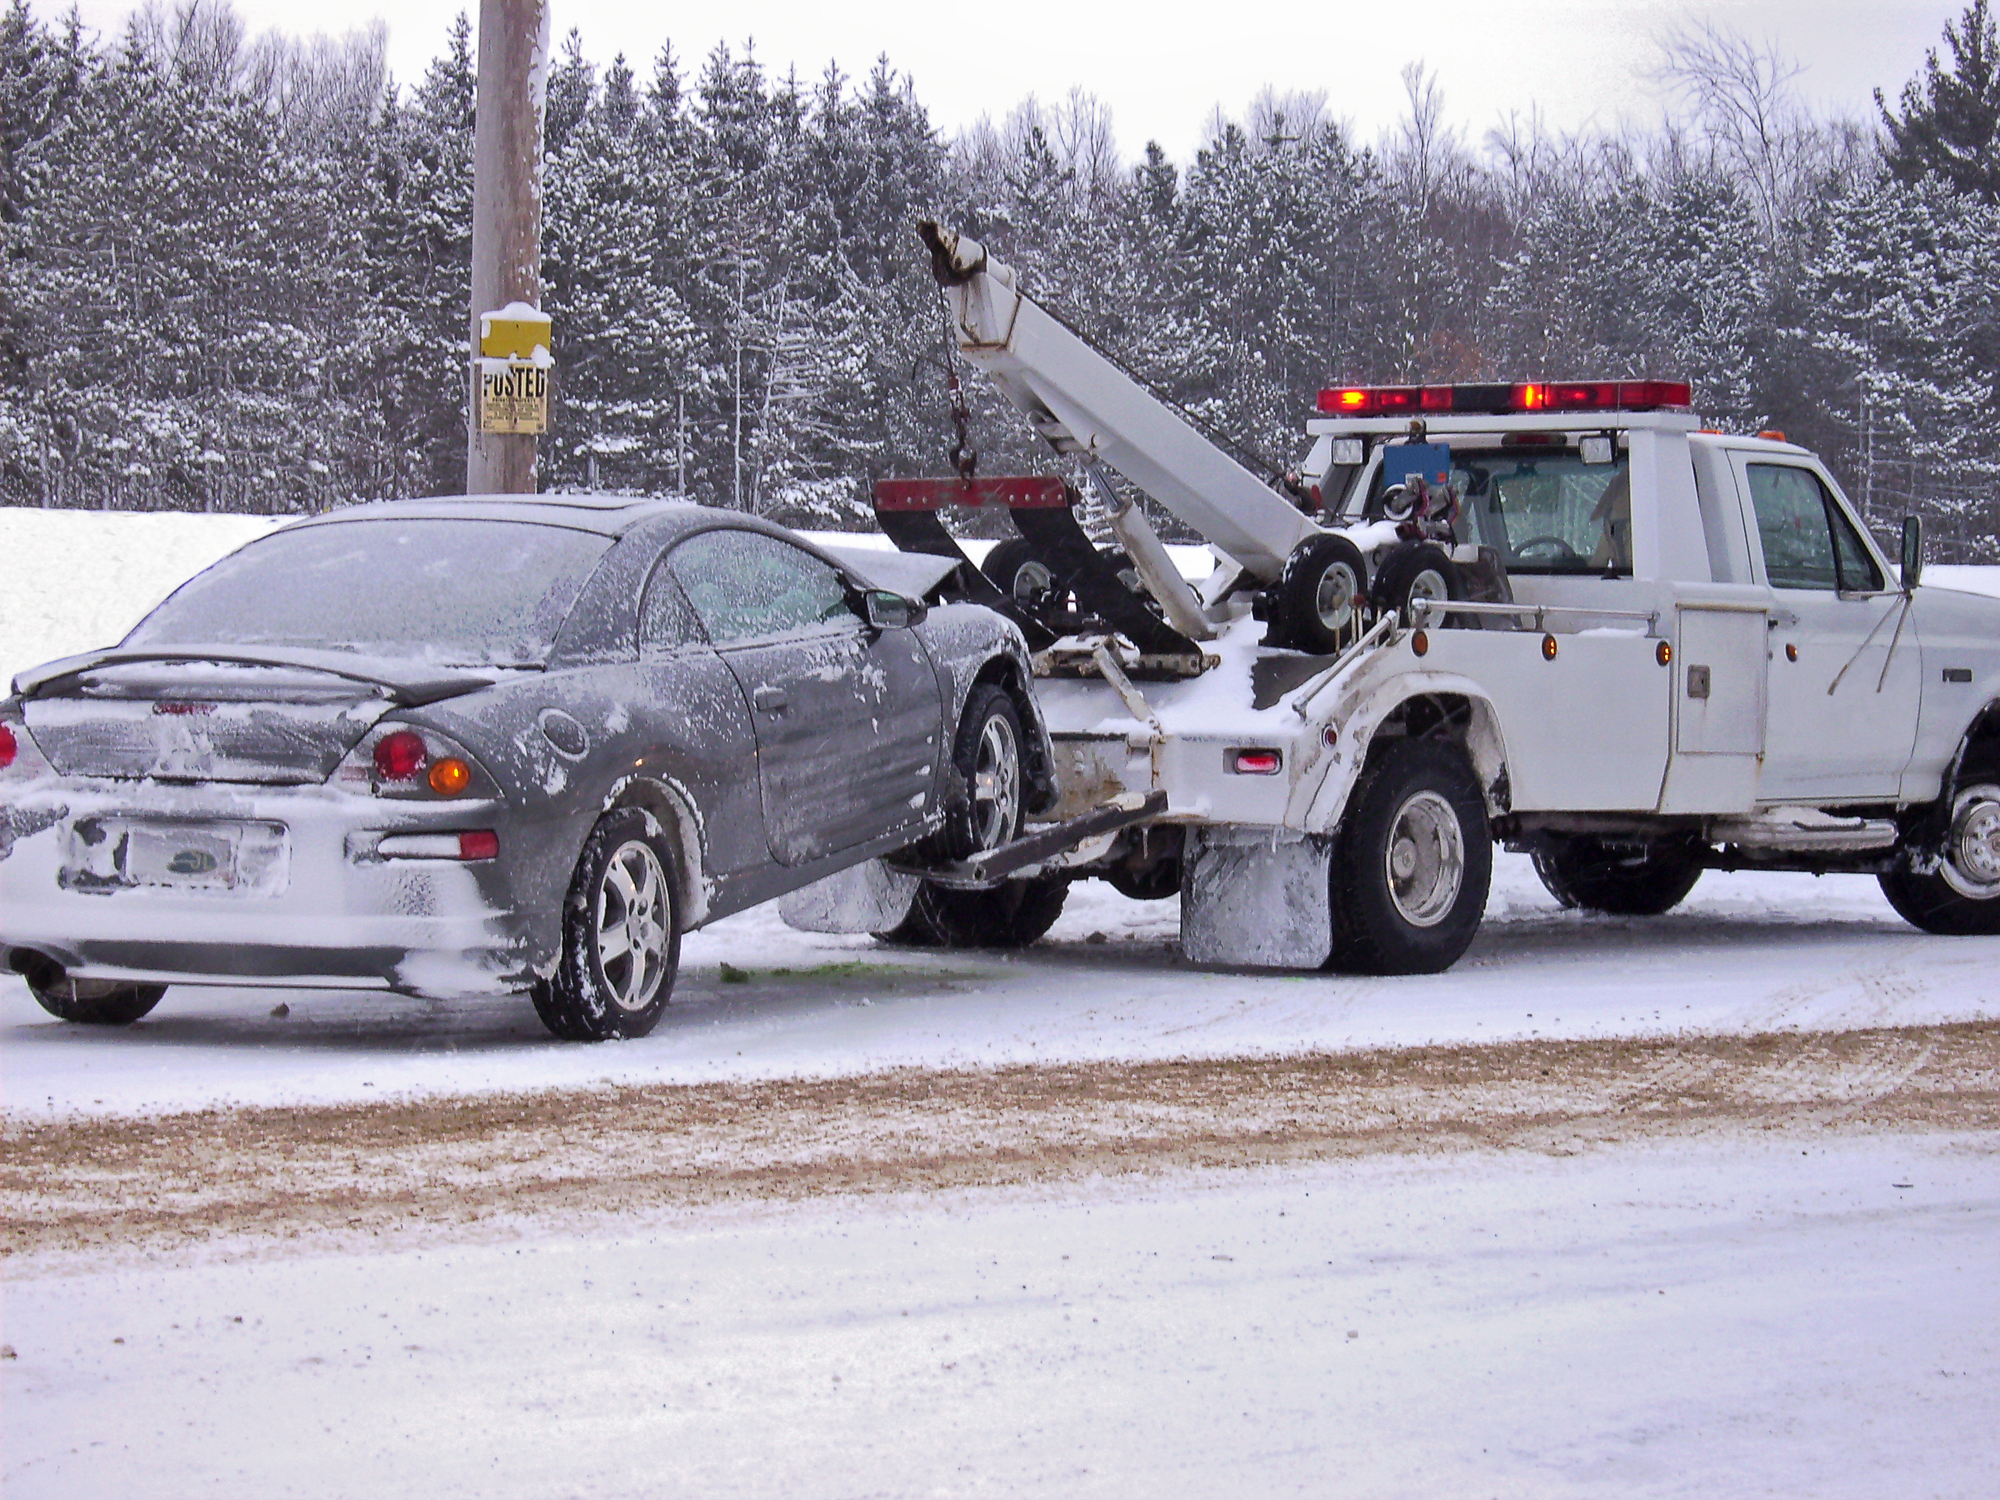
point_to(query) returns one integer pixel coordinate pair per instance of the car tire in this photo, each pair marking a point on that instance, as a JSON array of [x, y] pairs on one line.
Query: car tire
[[1420, 568], [92, 1002], [987, 755], [992, 772], [1411, 865], [1011, 915], [1961, 898], [621, 935], [1321, 595], [1585, 872]]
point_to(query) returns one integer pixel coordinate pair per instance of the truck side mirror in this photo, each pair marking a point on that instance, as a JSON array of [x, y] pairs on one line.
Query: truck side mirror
[[1913, 551]]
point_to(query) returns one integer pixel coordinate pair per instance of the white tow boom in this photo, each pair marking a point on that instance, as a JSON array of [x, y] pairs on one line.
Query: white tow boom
[[1084, 404]]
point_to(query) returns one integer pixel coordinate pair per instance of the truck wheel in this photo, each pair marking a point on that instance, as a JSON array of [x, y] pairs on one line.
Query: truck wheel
[[90, 1002], [1412, 864], [1421, 570], [1961, 898], [1587, 872], [1321, 593], [1013, 568], [621, 942], [1008, 916]]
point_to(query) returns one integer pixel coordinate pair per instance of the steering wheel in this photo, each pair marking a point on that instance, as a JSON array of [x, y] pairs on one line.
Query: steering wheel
[[1564, 552]]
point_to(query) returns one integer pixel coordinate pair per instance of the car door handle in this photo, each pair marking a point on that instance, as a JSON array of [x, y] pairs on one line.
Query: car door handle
[[772, 700]]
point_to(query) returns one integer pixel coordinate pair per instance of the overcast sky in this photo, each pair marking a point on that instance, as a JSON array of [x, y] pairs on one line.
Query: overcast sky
[[1163, 68]]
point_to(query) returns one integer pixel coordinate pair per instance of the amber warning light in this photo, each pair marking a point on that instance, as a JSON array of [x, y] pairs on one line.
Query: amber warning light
[[1507, 400]]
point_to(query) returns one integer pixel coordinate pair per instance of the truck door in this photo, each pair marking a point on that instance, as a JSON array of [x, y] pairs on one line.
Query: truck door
[[848, 720], [1843, 662]]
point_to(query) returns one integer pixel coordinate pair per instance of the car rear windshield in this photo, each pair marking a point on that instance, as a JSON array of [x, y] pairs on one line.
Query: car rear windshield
[[458, 592]]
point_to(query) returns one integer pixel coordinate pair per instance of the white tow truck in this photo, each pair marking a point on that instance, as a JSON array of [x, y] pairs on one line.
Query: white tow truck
[[1559, 615]]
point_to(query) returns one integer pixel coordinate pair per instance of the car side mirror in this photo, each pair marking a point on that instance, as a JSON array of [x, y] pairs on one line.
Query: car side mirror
[[886, 611], [1913, 551]]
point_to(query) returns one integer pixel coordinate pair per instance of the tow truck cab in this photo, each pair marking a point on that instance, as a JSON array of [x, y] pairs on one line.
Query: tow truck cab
[[1762, 651]]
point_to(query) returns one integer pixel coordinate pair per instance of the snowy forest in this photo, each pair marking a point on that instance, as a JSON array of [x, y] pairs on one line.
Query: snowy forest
[[235, 269]]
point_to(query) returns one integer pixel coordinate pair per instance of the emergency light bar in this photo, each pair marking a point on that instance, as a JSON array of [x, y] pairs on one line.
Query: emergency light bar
[[1507, 400]]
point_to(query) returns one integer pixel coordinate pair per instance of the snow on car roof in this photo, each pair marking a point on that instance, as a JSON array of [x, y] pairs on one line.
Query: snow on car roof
[[608, 515]]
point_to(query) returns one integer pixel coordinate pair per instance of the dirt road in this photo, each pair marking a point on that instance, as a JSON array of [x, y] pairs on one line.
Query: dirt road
[[361, 1170]]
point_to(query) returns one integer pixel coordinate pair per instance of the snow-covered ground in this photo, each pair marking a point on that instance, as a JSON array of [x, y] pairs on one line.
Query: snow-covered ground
[[1795, 1307], [1796, 1316], [1746, 953]]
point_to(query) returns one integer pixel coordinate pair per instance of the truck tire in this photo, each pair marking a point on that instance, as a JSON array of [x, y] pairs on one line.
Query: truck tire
[[1961, 898], [1321, 594], [1012, 915], [1421, 569], [90, 1002], [621, 935], [1412, 863], [1013, 568], [1587, 872]]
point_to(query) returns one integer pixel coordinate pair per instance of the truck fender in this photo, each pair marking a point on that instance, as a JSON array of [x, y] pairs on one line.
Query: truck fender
[[1442, 704]]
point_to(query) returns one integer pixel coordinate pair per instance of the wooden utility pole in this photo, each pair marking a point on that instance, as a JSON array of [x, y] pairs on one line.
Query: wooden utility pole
[[506, 216]]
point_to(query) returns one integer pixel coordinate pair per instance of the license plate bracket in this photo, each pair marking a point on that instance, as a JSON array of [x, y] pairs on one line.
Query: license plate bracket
[[224, 856]]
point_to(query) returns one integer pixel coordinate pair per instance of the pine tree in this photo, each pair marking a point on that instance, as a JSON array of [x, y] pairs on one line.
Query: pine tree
[[1949, 120]]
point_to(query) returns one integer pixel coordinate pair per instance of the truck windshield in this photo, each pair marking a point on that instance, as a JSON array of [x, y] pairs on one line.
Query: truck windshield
[[1545, 510], [455, 592]]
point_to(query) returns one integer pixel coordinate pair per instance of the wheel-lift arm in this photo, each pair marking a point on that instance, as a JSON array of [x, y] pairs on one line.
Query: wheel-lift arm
[[1084, 404]]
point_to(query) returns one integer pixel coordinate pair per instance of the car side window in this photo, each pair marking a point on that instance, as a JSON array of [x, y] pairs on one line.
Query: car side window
[[746, 586], [1792, 523], [665, 620]]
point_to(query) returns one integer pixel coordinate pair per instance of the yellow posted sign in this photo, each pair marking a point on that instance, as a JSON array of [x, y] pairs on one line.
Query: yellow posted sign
[[513, 397]]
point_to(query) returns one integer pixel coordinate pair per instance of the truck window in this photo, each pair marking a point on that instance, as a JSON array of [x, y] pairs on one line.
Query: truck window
[[1545, 510], [1808, 542]]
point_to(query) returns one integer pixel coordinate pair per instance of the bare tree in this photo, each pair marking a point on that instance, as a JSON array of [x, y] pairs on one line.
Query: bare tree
[[1424, 153], [1746, 114]]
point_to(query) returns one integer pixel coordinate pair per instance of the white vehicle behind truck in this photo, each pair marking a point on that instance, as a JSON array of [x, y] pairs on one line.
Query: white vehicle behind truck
[[1558, 615]]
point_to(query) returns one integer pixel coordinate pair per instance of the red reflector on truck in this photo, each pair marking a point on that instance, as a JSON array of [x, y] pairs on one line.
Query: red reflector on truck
[[1015, 492], [1256, 762]]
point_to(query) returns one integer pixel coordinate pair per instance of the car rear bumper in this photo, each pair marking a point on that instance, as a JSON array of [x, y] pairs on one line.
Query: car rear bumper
[[310, 901]]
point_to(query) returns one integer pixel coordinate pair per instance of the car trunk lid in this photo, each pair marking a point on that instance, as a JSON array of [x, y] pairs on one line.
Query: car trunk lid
[[267, 723]]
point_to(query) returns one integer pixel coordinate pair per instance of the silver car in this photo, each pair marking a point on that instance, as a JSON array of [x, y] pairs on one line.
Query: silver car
[[453, 747]]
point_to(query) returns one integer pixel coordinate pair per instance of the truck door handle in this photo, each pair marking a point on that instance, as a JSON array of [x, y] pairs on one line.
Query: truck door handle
[[1782, 619], [771, 699]]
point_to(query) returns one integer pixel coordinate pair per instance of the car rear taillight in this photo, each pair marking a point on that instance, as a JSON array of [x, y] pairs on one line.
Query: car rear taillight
[[396, 760], [449, 776], [399, 756], [9, 747]]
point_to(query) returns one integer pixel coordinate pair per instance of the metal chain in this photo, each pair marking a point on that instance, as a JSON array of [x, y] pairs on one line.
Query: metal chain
[[964, 457]]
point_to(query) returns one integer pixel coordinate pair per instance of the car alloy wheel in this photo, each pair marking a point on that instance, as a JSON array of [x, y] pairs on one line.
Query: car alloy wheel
[[996, 784], [634, 925]]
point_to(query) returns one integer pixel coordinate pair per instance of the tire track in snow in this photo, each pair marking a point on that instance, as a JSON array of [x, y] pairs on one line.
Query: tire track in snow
[[319, 1175]]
